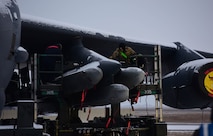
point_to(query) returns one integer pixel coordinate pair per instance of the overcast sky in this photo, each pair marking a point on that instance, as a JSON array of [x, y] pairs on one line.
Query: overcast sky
[[158, 21]]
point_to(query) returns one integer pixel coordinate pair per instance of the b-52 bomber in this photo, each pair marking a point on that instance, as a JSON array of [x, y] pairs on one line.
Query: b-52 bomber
[[187, 74]]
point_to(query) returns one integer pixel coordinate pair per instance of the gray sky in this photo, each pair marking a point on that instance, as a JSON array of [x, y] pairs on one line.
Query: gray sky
[[158, 21]]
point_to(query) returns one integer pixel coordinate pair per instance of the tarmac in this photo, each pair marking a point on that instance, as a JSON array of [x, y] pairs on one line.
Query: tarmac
[[180, 122]]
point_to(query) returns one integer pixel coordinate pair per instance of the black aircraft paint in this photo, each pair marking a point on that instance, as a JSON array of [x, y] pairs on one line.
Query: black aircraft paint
[[172, 58], [190, 85], [187, 74]]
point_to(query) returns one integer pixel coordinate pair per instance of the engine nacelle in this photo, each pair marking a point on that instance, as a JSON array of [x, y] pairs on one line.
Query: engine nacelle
[[190, 86]]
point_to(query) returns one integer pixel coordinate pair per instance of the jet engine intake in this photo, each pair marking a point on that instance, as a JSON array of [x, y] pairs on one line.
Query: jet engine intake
[[190, 86]]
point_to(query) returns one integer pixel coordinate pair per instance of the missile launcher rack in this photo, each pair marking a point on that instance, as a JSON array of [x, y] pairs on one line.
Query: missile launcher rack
[[68, 122], [132, 126]]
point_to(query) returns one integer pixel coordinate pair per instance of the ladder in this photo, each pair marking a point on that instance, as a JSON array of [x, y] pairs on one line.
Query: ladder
[[56, 69], [152, 84], [158, 77]]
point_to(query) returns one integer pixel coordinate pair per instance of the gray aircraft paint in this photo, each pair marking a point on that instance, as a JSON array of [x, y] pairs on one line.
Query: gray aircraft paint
[[11, 52]]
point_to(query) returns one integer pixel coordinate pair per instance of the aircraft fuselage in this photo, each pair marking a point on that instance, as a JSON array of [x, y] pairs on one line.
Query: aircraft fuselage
[[11, 52]]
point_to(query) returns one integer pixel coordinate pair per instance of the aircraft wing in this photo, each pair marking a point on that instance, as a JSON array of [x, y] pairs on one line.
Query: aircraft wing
[[45, 32], [206, 54], [186, 73]]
